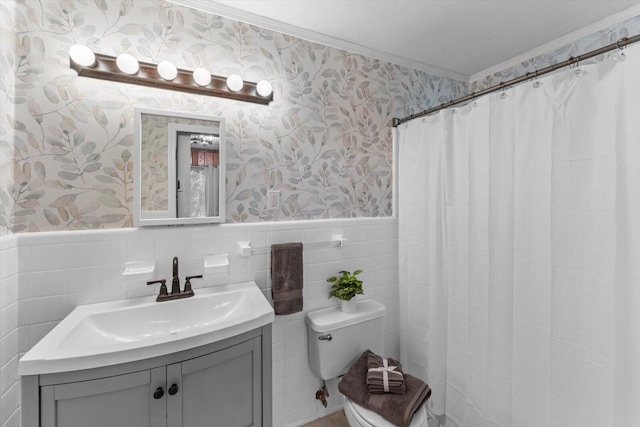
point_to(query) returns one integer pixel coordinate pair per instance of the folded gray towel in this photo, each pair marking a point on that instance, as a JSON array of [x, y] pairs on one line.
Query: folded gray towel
[[396, 408], [286, 277], [384, 370]]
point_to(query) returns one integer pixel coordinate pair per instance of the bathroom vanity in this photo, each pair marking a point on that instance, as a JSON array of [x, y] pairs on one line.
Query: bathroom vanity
[[171, 370]]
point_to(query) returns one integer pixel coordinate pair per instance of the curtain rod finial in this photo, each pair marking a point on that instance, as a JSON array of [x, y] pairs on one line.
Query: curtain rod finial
[[395, 123]]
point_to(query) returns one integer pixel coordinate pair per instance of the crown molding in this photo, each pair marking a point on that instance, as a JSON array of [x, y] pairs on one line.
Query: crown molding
[[625, 15], [315, 37], [213, 7]]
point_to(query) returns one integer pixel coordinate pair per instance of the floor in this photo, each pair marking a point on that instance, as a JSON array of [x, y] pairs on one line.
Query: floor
[[337, 419]]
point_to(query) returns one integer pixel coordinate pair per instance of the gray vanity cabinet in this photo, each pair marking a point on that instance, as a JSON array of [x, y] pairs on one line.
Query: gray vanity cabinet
[[221, 389], [225, 384], [124, 400]]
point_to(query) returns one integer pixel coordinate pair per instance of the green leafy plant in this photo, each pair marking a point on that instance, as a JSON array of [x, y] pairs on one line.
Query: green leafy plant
[[346, 286]]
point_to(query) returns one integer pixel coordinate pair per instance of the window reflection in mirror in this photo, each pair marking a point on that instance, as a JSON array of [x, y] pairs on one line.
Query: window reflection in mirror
[[179, 175], [197, 185]]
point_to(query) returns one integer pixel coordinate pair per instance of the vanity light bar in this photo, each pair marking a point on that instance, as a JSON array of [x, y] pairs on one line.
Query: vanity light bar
[[105, 68]]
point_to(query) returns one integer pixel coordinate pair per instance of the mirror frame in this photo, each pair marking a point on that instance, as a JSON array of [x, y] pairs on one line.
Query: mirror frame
[[138, 220]]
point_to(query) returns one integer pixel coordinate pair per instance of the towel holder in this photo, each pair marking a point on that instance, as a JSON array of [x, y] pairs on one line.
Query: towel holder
[[245, 249]]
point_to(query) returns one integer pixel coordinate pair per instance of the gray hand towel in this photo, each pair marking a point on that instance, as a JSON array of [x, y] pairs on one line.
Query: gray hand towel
[[286, 277]]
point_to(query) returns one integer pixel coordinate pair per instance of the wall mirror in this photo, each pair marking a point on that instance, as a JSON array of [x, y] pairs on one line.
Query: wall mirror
[[179, 168]]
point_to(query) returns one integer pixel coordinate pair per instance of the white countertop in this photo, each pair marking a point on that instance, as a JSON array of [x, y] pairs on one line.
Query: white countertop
[[123, 331]]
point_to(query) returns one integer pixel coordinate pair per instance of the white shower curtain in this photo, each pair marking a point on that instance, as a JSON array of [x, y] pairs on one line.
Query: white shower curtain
[[520, 252]]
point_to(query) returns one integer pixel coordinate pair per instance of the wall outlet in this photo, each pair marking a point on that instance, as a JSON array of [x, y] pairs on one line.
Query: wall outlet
[[274, 199]]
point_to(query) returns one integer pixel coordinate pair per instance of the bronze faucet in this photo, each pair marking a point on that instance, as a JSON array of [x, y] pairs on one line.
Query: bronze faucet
[[162, 296], [175, 283], [176, 293]]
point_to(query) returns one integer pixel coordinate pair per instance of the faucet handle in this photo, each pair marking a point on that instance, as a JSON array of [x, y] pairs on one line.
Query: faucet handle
[[187, 284], [163, 287]]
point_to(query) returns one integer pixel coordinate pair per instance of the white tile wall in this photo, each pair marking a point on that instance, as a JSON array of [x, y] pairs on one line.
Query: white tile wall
[[9, 291], [58, 271]]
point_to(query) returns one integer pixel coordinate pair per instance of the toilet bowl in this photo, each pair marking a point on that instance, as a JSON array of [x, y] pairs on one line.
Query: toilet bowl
[[336, 340], [358, 416]]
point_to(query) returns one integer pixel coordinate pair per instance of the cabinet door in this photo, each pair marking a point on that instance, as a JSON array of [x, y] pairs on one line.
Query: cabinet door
[[222, 389], [120, 401]]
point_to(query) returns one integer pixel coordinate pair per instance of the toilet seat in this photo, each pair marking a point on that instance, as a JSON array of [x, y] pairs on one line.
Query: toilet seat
[[364, 417]]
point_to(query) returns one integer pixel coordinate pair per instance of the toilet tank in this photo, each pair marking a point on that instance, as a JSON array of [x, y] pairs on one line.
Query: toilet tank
[[336, 339]]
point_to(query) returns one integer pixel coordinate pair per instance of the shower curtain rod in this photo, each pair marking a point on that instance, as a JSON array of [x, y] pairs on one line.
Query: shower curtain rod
[[620, 44]]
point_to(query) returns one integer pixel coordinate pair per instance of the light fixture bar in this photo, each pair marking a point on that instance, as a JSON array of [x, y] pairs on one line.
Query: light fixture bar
[[106, 69]]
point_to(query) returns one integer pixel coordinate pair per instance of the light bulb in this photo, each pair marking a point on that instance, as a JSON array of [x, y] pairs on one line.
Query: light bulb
[[167, 70], [264, 88], [82, 55], [127, 63], [235, 82], [201, 76]]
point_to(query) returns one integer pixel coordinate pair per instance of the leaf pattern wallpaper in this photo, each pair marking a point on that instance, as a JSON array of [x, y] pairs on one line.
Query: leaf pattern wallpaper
[[67, 141], [591, 42], [154, 159]]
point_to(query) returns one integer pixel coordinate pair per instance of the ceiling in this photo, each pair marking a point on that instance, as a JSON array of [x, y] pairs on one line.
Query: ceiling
[[462, 39]]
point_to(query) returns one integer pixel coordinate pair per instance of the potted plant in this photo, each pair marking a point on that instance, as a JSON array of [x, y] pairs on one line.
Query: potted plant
[[345, 287]]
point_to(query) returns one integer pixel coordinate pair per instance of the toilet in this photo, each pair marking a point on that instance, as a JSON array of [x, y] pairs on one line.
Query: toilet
[[336, 339]]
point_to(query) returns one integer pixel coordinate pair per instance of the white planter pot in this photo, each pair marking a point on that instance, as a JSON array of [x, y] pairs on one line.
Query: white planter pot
[[348, 306]]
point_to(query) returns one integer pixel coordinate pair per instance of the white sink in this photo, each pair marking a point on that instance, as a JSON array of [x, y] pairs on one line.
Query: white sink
[[123, 331]]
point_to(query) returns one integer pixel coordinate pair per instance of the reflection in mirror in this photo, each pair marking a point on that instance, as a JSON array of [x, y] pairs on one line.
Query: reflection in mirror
[[198, 178], [179, 175]]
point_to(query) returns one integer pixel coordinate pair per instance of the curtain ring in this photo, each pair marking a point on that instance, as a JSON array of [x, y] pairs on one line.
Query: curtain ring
[[503, 95], [619, 55], [622, 39], [473, 103]]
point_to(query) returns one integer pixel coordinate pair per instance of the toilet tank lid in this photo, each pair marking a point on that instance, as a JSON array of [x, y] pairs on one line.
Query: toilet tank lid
[[329, 319]]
